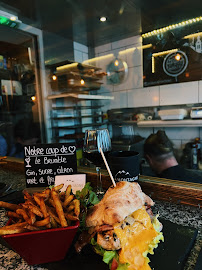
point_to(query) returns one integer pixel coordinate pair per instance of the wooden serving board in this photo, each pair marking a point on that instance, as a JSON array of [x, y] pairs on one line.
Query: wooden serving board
[[172, 254]]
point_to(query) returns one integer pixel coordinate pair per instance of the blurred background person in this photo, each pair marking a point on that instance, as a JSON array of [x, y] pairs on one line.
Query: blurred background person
[[5, 140], [3, 146], [159, 153], [26, 132]]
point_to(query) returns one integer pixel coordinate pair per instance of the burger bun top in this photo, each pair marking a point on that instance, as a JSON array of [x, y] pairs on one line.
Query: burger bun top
[[117, 203]]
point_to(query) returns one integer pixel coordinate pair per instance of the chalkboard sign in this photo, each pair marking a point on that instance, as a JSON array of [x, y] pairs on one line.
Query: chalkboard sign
[[44, 161]]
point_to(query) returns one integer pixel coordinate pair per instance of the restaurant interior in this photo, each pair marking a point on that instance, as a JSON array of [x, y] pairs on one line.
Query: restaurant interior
[[75, 65], [50, 38], [129, 66]]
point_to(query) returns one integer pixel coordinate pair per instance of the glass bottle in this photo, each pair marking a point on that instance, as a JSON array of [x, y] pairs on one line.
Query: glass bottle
[[198, 147], [194, 157]]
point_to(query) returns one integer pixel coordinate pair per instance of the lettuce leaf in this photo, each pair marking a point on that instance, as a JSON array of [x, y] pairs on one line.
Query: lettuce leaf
[[108, 255], [87, 198]]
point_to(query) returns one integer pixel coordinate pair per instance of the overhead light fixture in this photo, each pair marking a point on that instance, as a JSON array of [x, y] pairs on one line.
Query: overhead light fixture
[[9, 19], [82, 82], [103, 19], [13, 18], [177, 57], [116, 63], [54, 77], [172, 26], [33, 98]]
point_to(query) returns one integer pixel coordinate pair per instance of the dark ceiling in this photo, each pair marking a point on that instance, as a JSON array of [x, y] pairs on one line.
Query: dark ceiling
[[79, 19]]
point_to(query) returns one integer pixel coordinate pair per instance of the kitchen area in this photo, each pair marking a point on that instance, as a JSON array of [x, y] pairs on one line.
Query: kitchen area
[[132, 68]]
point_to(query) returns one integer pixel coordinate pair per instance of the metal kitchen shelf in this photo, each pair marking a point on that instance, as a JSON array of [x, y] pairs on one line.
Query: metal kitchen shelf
[[123, 122], [75, 117], [68, 85], [171, 123], [79, 96], [79, 126], [76, 107], [85, 76], [76, 86], [87, 86], [78, 136], [63, 69]]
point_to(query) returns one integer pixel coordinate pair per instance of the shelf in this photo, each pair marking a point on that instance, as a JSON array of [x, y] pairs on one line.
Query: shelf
[[123, 122], [171, 123], [69, 85], [94, 77], [76, 107], [76, 84], [75, 117], [79, 96], [75, 67], [79, 126], [79, 136]]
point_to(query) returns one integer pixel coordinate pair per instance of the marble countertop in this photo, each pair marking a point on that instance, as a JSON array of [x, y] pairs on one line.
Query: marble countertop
[[176, 213]]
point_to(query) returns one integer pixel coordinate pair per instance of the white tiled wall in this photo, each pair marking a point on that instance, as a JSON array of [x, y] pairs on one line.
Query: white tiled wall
[[181, 93], [80, 52], [200, 91], [143, 97], [120, 99]]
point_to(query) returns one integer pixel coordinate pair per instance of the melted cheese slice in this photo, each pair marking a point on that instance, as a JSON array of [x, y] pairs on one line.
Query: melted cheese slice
[[135, 240]]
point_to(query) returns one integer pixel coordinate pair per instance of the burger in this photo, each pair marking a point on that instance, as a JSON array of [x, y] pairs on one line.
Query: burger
[[122, 228]]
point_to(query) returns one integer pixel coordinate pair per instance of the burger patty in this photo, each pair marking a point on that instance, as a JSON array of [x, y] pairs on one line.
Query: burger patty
[[106, 236], [86, 236], [108, 240]]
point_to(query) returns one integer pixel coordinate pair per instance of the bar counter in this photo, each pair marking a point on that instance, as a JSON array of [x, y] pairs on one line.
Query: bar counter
[[178, 202]]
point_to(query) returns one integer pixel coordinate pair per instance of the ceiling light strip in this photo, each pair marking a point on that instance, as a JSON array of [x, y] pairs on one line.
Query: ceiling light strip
[[172, 26], [164, 52], [193, 35]]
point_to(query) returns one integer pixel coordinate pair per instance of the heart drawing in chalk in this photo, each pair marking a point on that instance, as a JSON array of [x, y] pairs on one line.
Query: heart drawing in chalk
[[72, 149]]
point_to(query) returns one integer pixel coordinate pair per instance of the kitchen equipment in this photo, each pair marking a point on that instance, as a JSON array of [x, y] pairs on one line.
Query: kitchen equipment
[[42, 246], [173, 114], [196, 113]]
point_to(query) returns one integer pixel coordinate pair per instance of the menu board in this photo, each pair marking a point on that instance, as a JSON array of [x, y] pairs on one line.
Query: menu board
[[43, 162], [174, 56]]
